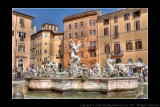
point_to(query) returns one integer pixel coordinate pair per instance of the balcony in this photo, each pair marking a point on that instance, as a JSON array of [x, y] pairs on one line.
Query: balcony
[[59, 55], [117, 53], [116, 35], [92, 48]]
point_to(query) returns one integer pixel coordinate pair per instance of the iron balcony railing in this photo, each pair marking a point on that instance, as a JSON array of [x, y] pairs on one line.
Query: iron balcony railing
[[117, 53], [92, 48]]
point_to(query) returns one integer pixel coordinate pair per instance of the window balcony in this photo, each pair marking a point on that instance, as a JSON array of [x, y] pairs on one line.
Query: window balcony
[[59, 55], [117, 53], [92, 48], [116, 35]]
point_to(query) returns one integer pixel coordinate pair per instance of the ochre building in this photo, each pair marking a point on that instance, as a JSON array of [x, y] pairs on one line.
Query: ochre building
[[123, 35], [21, 36], [82, 29], [47, 43]]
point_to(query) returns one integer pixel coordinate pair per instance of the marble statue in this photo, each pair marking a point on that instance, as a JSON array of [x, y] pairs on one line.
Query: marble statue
[[51, 68], [75, 59], [97, 70], [110, 71], [123, 70]]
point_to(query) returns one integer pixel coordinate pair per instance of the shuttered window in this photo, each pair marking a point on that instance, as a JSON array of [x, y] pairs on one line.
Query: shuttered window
[[138, 44], [128, 27], [107, 49], [106, 31], [129, 46], [137, 25]]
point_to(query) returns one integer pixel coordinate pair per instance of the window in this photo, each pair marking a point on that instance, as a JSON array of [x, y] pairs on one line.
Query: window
[[130, 61], [45, 43], [138, 44], [76, 34], [22, 35], [81, 24], [46, 35], [48, 27], [90, 43], [21, 21], [40, 51], [82, 44], [136, 14], [70, 36], [36, 51], [20, 63], [140, 60], [45, 51], [90, 22], [51, 27], [12, 32], [107, 49], [126, 16], [21, 48], [76, 26], [70, 26], [116, 29], [40, 59], [94, 32], [59, 46], [129, 46], [128, 27], [117, 49], [54, 28], [59, 38], [81, 33], [116, 19], [94, 22], [106, 21], [81, 54], [90, 54], [90, 32], [94, 43], [106, 31], [137, 25], [94, 54]]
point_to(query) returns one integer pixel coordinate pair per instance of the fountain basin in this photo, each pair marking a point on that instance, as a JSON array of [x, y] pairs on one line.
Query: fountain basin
[[89, 85]]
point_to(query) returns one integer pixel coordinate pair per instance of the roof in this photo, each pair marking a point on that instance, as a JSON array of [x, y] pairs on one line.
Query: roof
[[49, 24], [22, 14], [80, 15]]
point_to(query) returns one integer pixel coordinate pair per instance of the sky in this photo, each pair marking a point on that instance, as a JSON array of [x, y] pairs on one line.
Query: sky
[[55, 15]]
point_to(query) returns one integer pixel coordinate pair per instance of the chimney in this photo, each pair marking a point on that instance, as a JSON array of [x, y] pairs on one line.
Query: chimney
[[86, 10], [66, 15]]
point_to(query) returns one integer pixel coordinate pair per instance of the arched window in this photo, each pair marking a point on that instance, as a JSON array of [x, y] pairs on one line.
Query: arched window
[[140, 60], [130, 61], [118, 60], [20, 63]]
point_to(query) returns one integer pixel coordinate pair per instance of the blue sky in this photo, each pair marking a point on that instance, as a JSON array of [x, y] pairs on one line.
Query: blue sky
[[55, 15]]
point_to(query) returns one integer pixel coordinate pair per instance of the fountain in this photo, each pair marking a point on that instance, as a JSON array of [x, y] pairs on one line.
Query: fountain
[[80, 78]]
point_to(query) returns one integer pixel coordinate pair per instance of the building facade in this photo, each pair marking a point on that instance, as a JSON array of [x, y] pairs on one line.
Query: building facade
[[47, 43], [123, 35], [21, 35], [82, 29]]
